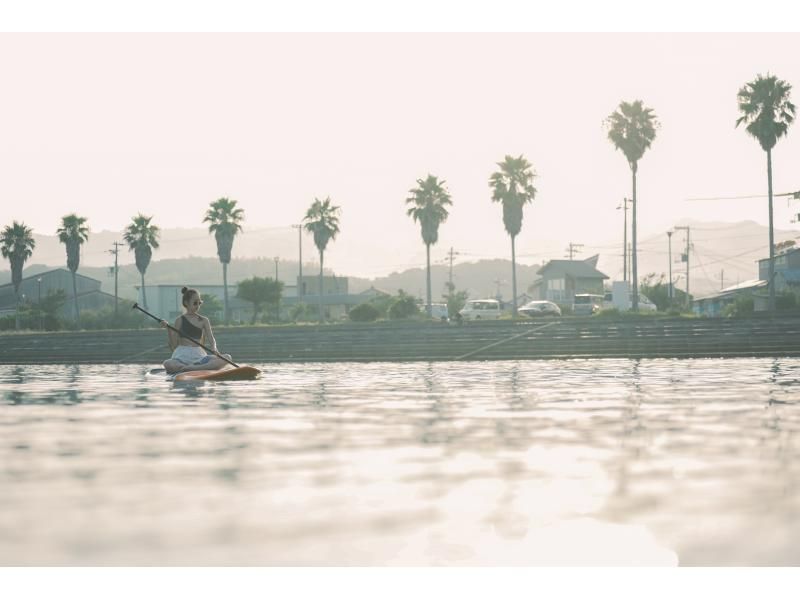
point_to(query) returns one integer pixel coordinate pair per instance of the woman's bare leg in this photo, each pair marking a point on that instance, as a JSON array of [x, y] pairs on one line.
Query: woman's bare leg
[[173, 366]]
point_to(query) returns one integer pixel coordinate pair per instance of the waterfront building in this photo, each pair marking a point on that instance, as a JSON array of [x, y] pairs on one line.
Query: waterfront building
[[560, 280], [35, 287]]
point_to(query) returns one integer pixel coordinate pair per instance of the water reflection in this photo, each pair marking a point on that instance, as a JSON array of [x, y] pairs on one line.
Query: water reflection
[[516, 463]]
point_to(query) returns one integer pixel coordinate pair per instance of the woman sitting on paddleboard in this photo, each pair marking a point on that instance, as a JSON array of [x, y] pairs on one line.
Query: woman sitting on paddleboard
[[186, 356]]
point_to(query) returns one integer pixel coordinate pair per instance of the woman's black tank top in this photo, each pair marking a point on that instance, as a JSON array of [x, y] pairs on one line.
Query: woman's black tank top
[[190, 329]]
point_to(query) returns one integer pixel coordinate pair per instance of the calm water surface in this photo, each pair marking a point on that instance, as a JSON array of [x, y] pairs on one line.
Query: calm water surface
[[656, 462]]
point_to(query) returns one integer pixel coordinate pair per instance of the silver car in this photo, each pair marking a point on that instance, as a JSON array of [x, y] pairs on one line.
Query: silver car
[[534, 309]]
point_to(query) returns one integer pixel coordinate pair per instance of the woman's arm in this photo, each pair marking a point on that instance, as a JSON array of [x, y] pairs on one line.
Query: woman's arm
[[209, 335], [174, 339]]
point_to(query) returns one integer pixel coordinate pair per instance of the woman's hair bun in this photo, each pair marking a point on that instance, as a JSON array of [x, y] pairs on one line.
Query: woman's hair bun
[[184, 290]]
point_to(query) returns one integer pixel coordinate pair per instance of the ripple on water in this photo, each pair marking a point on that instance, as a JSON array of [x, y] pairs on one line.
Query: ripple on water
[[519, 462]]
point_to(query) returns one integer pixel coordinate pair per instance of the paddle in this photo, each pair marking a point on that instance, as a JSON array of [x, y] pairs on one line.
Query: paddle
[[199, 344]]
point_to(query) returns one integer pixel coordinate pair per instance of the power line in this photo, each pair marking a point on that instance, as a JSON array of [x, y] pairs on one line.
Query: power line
[[793, 194]]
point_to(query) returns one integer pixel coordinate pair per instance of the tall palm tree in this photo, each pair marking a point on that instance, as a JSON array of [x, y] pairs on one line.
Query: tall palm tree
[[17, 244], [767, 114], [225, 221], [142, 238], [72, 234], [632, 129], [429, 201], [322, 220], [512, 186]]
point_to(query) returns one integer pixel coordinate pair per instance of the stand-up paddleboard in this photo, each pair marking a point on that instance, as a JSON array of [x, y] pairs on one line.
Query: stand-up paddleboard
[[236, 372], [244, 372]]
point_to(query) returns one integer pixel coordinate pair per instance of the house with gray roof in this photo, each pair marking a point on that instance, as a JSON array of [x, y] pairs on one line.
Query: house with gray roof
[[34, 288], [714, 304], [560, 280]]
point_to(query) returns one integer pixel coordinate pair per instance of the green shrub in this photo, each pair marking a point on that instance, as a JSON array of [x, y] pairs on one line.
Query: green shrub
[[31, 318], [365, 312], [743, 306], [104, 318], [404, 306], [303, 312], [786, 301]]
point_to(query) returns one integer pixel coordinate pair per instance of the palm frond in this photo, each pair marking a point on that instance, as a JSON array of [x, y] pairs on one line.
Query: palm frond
[[766, 110]]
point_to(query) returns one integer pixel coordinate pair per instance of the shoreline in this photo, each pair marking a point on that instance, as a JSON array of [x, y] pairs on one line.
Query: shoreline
[[563, 338]]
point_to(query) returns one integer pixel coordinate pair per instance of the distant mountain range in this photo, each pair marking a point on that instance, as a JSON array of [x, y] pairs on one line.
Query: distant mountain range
[[722, 254]]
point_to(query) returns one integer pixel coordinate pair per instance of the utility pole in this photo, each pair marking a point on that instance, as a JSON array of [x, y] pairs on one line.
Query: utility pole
[[278, 305], [115, 252], [450, 258], [299, 228], [39, 304], [686, 259], [721, 279], [669, 237], [573, 249], [624, 208], [629, 262]]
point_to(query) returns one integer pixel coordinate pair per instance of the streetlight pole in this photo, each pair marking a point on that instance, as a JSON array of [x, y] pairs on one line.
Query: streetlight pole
[[688, 247], [278, 306], [624, 208], [115, 253], [39, 303], [669, 236], [299, 228]]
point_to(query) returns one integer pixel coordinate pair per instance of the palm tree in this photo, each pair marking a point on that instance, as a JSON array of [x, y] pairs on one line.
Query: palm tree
[[322, 221], [429, 201], [767, 112], [512, 186], [17, 244], [225, 221], [632, 128], [72, 234], [142, 238]]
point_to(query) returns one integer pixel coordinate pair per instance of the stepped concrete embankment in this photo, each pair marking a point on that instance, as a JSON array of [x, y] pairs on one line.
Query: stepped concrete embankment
[[431, 341]]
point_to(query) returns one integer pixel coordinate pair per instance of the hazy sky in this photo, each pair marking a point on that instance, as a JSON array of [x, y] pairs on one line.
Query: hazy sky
[[110, 125]]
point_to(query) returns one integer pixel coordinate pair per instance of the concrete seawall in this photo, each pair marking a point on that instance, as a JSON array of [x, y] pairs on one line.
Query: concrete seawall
[[431, 341]]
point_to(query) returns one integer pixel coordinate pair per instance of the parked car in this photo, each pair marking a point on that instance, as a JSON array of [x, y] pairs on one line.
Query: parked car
[[644, 303], [439, 311], [534, 309], [586, 304], [481, 309]]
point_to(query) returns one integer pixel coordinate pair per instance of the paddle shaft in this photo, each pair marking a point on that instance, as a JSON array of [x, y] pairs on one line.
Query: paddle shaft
[[188, 338]]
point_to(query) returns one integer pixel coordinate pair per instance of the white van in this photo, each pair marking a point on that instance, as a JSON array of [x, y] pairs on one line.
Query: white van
[[620, 304], [481, 309], [586, 304]]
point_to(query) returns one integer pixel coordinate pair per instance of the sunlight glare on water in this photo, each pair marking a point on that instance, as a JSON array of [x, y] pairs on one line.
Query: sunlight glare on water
[[578, 462]]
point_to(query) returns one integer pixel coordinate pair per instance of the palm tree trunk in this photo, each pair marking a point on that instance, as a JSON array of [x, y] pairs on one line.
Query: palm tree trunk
[[513, 277], [16, 312], [634, 261], [225, 291], [321, 315], [771, 285], [144, 293], [428, 262], [75, 298]]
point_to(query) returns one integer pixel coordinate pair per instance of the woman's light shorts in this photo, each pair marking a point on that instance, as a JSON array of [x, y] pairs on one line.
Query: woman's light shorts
[[190, 355]]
